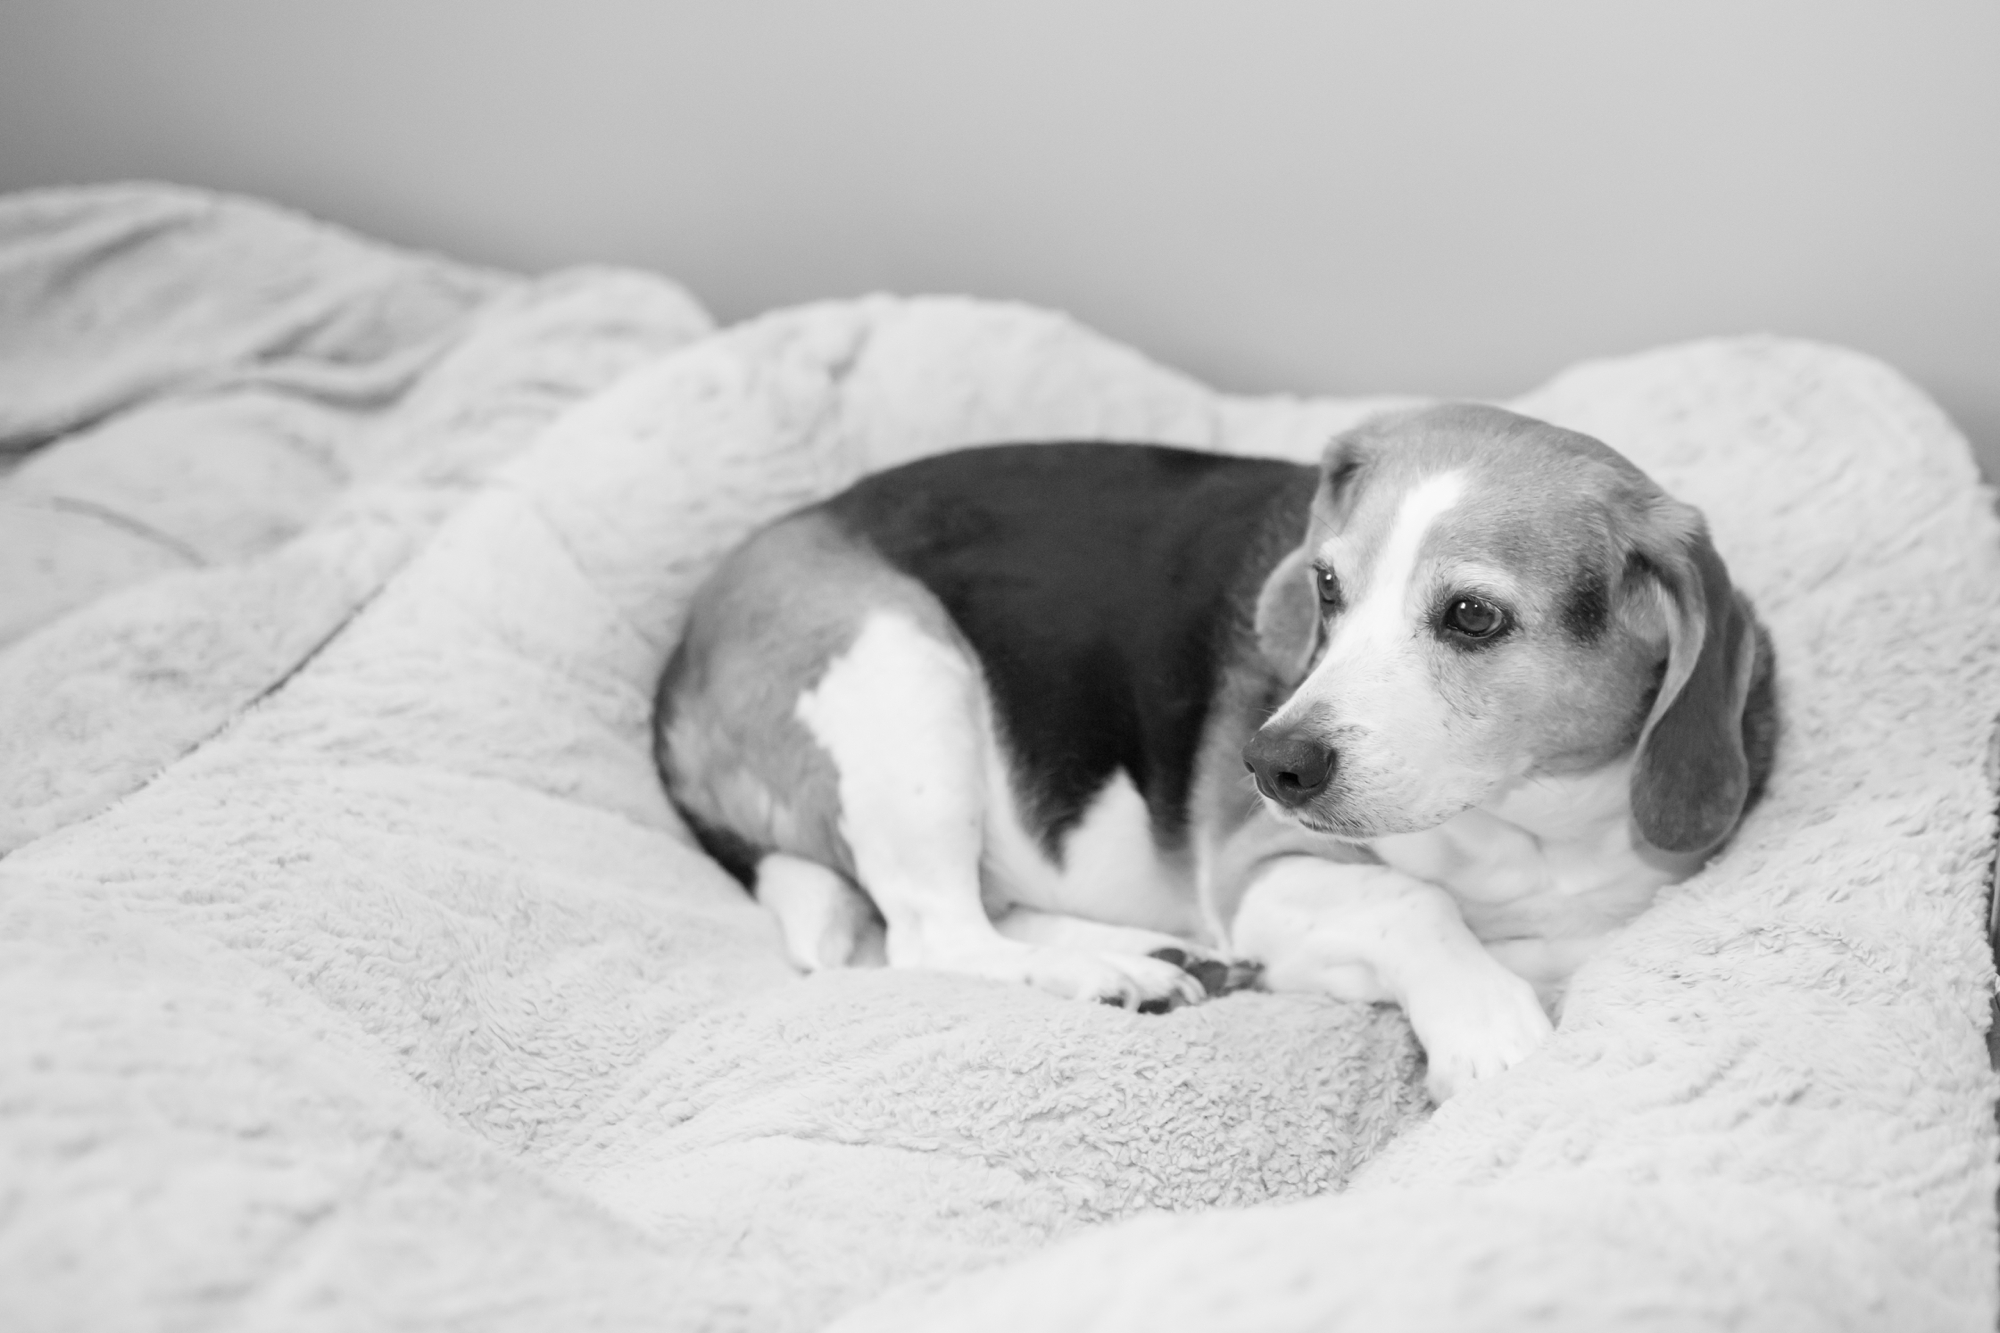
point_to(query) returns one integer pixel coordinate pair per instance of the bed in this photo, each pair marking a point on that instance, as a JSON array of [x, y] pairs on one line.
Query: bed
[[359, 974]]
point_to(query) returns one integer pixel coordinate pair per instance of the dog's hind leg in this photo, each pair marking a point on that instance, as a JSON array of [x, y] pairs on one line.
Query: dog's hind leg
[[826, 921], [1033, 926], [902, 715]]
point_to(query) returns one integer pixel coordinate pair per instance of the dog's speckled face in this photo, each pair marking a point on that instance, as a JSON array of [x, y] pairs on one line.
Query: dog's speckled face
[[1480, 598]]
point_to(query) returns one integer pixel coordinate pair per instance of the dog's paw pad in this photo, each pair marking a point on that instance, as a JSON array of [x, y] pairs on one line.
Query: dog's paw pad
[[1217, 978], [1236, 977], [1206, 972]]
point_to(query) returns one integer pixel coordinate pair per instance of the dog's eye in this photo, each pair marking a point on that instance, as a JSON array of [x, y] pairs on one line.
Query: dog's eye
[[1474, 617], [1328, 585]]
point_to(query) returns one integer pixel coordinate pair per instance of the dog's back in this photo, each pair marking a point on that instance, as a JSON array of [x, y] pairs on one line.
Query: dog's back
[[1101, 589]]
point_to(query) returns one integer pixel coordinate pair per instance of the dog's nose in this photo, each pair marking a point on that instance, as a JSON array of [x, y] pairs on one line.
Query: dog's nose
[[1291, 769]]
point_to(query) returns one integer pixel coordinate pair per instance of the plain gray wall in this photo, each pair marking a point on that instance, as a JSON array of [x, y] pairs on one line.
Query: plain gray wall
[[1446, 198]]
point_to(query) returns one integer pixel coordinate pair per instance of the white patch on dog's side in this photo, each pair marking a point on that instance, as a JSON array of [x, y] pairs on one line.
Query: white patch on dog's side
[[1111, 870], [905, 720], [895, 713]]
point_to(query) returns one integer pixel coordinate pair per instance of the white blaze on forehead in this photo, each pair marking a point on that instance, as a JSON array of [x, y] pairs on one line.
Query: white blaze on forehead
[[1381, 606], [1365, 637]]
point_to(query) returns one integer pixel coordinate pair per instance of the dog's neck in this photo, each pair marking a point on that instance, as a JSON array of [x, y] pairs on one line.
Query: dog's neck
[[1542, 837], [1592, 808]]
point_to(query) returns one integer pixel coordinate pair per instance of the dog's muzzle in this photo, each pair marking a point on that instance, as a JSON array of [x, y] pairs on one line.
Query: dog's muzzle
[[1290, 768]]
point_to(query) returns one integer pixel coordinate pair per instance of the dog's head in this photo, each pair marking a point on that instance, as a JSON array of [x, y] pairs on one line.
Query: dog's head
[[1482, 598]]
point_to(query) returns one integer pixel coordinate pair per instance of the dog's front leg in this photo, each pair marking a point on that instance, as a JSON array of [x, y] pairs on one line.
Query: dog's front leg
[[1367, 932]]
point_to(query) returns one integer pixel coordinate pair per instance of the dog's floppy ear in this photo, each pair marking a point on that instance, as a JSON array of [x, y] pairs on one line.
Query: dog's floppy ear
[[1288, 610], [1288, 615], [1692, 776]]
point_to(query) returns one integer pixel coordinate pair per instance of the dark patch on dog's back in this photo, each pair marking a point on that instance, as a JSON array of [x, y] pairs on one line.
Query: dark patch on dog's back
[[1101, 585]]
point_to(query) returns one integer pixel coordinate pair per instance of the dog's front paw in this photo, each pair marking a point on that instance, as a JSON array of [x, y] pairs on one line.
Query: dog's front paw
[[1474, 1027]]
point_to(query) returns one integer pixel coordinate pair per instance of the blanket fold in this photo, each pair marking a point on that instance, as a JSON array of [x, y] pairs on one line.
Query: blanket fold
[[360, 974], [166, 566]]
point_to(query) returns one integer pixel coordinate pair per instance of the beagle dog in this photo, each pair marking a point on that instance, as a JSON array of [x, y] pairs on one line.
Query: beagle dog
[[991, 712]]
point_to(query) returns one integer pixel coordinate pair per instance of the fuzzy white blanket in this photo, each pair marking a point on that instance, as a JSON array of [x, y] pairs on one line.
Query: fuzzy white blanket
[[358, 975]]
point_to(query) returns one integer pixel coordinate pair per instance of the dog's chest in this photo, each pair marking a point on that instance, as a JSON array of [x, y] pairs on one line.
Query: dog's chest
[[1563, 864]]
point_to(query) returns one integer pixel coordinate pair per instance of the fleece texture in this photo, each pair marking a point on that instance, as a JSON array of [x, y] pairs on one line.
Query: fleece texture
[[258, 418], [359, 975]]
